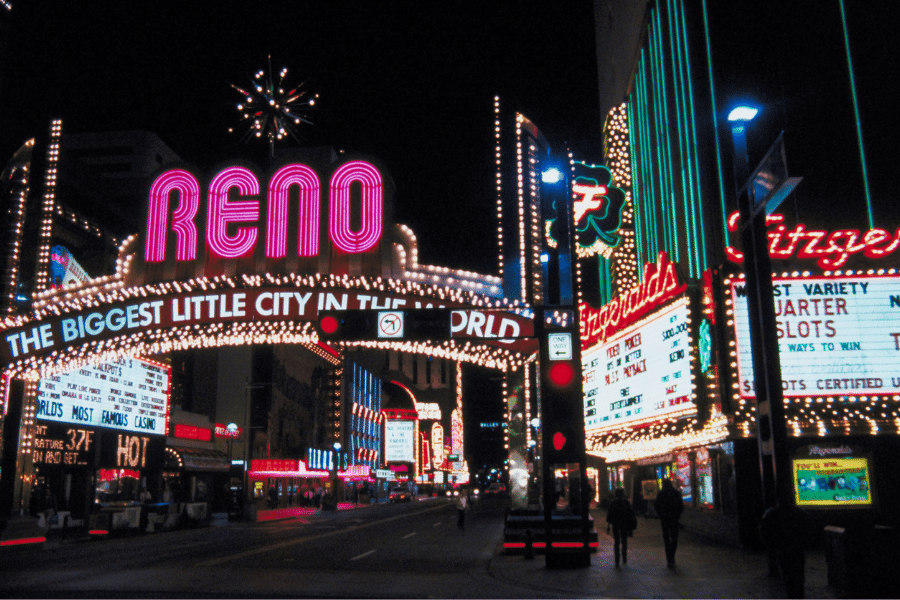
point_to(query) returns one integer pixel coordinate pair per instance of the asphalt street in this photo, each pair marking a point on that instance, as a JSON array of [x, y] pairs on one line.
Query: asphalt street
[[382, 551]]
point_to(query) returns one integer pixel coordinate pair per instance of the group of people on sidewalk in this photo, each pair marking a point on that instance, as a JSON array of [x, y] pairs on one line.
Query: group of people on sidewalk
[[621, 519]]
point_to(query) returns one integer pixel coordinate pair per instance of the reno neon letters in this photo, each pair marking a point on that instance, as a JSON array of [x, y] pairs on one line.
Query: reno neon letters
[[234, 210]]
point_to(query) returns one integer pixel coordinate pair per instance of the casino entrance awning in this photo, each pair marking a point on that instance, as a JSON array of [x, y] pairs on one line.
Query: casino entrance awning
[[195, 459]]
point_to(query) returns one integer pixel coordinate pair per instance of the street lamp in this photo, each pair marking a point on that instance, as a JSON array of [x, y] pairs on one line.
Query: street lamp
[[232, 429], [337, 455], [771, 427]]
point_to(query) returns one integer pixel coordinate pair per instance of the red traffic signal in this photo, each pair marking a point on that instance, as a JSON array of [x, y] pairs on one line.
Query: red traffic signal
[[561, 373]]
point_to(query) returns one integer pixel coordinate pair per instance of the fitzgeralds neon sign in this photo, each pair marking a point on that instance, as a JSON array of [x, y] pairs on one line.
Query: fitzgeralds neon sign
[[661, 284], [831, 250], [235, 215]]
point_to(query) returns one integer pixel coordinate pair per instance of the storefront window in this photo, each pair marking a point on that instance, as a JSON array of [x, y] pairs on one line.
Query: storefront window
[[117, 486], [705, 479]]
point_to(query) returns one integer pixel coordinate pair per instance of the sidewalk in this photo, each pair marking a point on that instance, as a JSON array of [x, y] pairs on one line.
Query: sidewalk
[[704, 569]]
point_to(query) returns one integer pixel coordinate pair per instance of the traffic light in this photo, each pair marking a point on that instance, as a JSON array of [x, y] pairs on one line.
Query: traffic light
[[375, 325], [562, 403], [347, 325]]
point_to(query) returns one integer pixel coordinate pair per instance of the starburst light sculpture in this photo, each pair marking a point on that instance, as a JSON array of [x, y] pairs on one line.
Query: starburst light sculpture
[[271, 113]]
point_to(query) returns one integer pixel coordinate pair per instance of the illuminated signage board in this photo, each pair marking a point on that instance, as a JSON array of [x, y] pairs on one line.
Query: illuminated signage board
[[130, 394], [131, 451], [222, 431], [661, 284], [831, 477], [428, 411], [642, 373], [437, 445], [188, 309], [830, 249], [398, 443], [241, 216], [837, 336], [57, 444], [189, 432]]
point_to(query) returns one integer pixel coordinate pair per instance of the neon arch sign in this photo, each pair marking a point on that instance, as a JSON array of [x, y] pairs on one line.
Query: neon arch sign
[[231, 224]]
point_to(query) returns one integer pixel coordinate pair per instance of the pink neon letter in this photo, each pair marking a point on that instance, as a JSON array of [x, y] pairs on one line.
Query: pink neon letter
[[182, 219], [308, 229], [221, 211], [372, 214]]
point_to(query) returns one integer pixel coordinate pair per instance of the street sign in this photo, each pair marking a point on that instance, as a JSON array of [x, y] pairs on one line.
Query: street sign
[[390, 324], [560, 346]]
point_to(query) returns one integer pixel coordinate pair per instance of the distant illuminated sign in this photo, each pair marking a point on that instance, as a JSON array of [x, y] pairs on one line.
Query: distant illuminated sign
[[128, 394], [64, 269], [428, 411], [189, 432], [222, 431], [437, 445], [831, 477], [398, 443], [641, 373], [837, 336]]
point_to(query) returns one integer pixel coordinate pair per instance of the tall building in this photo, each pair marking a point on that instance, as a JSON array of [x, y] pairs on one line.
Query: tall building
[[669, 73]]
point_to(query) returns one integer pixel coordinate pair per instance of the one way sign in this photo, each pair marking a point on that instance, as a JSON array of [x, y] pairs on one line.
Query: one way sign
[[560, 346]]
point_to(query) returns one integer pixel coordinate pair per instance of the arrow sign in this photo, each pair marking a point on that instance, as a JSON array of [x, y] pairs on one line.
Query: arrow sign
[[560, 346]]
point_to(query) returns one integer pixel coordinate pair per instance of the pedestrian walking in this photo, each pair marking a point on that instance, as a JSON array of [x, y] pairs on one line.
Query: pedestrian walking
[[669, 505], [462, 505], [620, 517]]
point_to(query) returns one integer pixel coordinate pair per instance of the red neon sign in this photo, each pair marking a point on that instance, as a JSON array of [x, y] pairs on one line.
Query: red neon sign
[[222, 431], [189, 432], [830, 250], [661, 284], [233, 212]]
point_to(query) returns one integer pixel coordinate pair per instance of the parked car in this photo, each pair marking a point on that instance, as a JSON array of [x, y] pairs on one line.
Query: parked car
[[400, 495]]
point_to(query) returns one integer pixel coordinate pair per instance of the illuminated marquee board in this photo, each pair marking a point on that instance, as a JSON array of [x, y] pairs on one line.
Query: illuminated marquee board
[[398, 442], [186, 309], [837, 336], [129, 394], [641, 373]]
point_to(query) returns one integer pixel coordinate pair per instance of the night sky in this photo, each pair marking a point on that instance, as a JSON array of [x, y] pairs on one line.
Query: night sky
[[410, 83]]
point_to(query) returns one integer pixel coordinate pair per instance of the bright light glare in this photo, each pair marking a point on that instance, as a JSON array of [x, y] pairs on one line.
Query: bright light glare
[[551, 175], [742, 113]]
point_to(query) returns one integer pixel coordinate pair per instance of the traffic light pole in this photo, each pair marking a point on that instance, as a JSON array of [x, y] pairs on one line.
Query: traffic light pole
[[561, 390]]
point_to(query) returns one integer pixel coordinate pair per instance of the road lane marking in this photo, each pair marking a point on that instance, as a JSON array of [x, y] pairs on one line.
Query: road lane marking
[[409, 535], [363, 555], [437, 524], [302, 540]]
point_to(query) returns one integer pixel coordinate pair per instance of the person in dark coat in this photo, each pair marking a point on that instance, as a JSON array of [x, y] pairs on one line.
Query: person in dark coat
[[669, 505], [620, 516]]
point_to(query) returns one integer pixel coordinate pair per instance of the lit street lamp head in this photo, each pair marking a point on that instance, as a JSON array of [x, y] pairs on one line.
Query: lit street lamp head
[[742, 114]]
